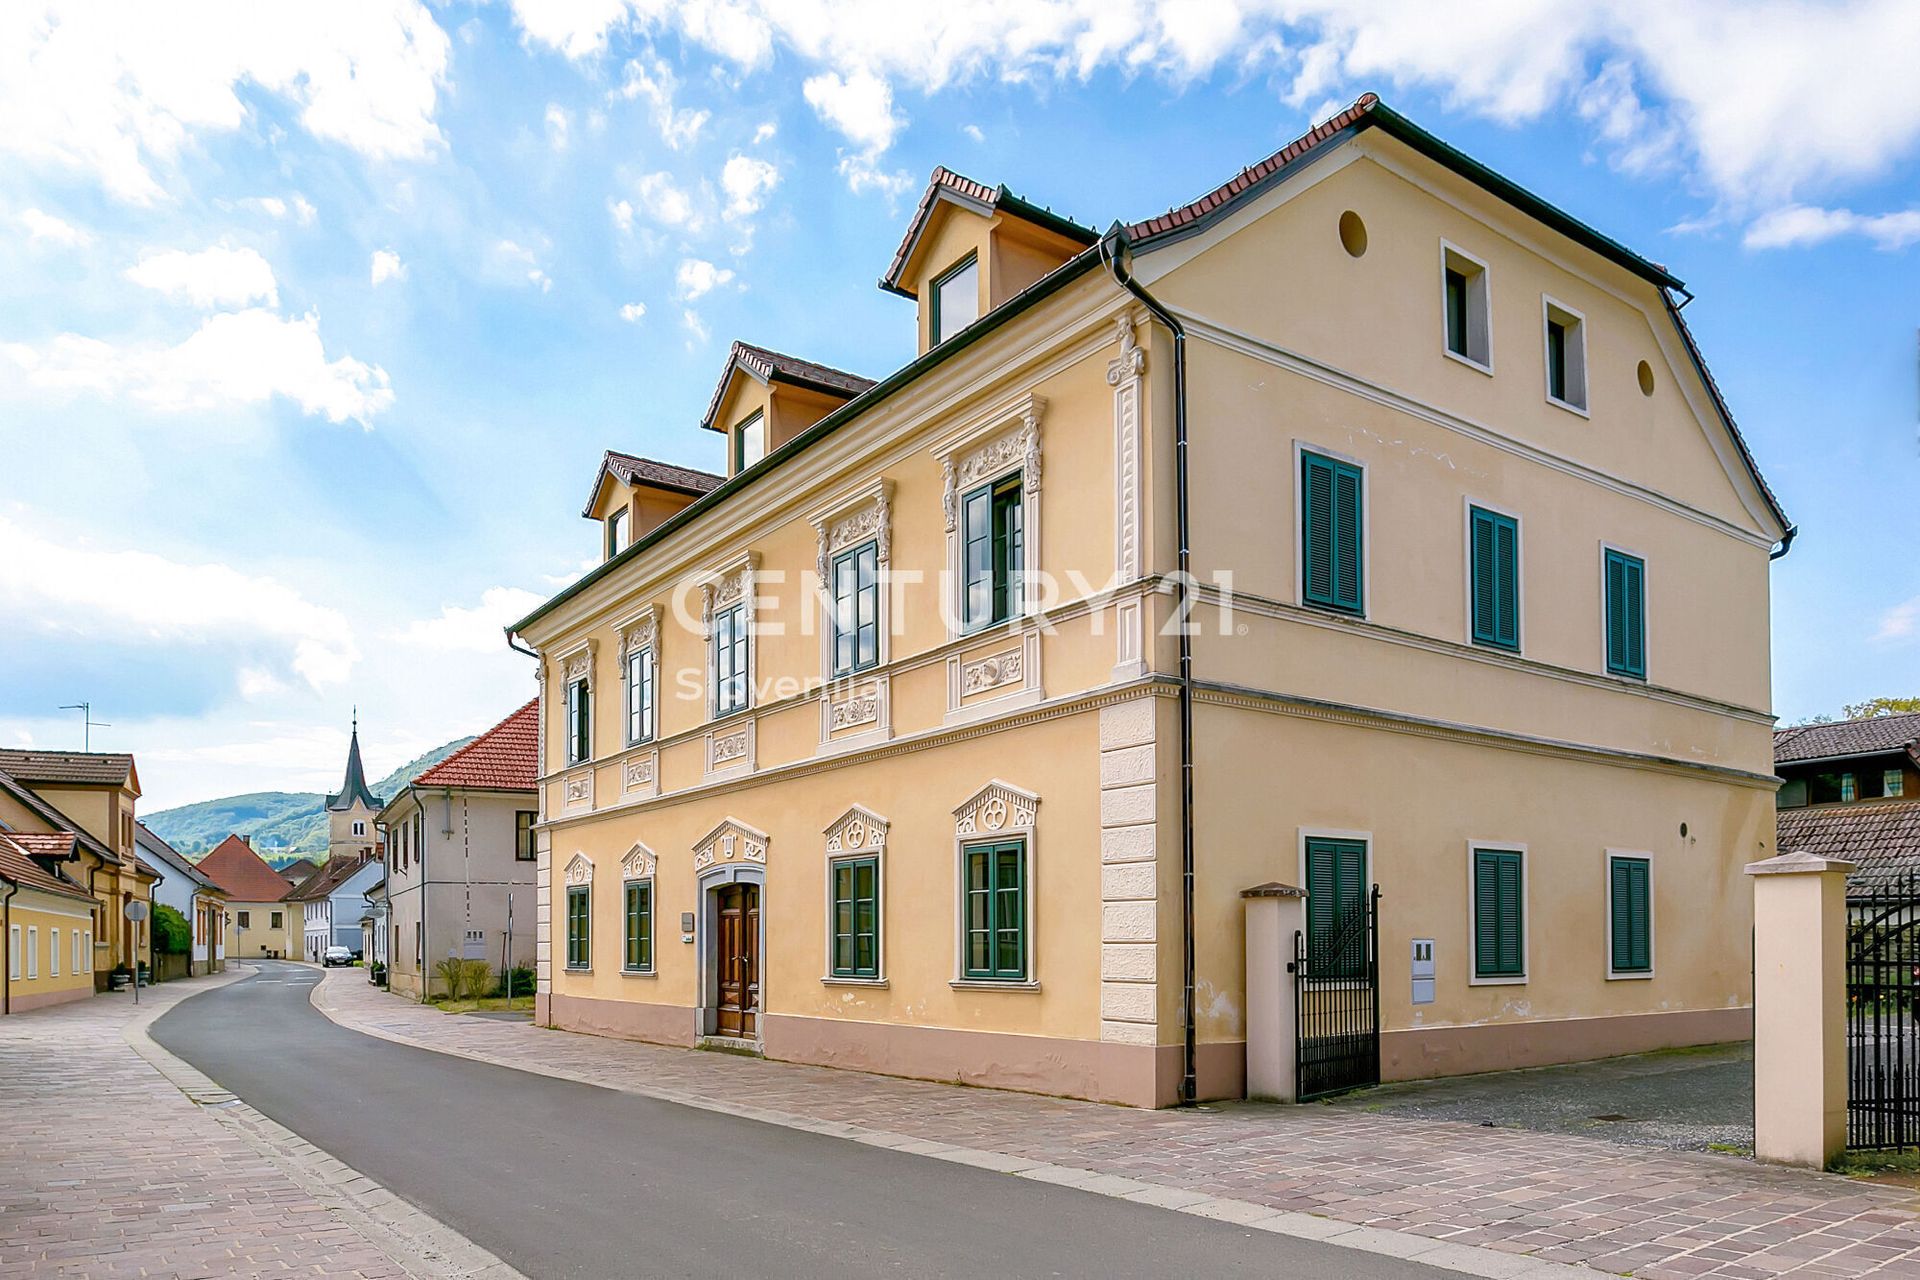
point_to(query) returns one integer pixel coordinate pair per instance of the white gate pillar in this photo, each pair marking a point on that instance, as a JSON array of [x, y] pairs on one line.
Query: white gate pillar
[[1799, 1008], [1275, 913]]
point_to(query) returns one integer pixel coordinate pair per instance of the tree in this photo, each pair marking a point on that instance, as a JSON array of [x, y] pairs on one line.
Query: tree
[[1880, 707], [172, 935]]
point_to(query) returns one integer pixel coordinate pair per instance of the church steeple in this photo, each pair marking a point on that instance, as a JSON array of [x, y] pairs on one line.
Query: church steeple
[[354, 787]]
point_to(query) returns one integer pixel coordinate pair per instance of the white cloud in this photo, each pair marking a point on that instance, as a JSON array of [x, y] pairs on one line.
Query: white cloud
[[1799, 225], [765, 133], [863, 174], [665, 202], [522, 263], [657, 85], [55, 586], [44, 228], [632, 312], [859, 106], [973, 131], [275, 207], [1899, 624], [558, 125], [622, 213], [747, 183], [697, 277], [576, 28], [480, 629], [116, 88], [387, 266], [235, 358], [695, 326], [216, 277]]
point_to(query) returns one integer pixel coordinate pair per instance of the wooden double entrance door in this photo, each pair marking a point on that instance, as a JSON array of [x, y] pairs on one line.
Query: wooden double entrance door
[[737, 959]]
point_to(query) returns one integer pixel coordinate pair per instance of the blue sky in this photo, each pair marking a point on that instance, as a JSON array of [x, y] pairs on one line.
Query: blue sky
[[313, 326]]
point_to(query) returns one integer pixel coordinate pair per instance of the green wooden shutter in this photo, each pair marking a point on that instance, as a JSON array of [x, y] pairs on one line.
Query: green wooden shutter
[[1331, 533], [1336, 894], [1632, 915], [1499, 930], [1495, 573], [1626, 615]]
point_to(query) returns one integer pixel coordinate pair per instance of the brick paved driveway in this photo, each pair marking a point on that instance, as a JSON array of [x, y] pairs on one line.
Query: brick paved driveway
[[108, 1169], [1566, 1199]]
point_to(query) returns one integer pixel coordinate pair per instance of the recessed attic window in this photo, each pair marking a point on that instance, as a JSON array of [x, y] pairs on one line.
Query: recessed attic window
[[956, 298], [1464, 293]]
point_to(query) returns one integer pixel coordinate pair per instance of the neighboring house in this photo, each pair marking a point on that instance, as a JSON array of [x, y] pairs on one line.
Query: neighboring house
[[460, 857], [1477, 565], [47, 921], [351, 811], [260, 922], [296, 872], [192, 893], [373, 924], [90, 796], [332, 902], [1851, 789]]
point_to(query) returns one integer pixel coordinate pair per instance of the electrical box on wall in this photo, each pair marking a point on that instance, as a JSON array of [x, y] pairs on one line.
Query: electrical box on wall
[[686, 926], [1423, 970]]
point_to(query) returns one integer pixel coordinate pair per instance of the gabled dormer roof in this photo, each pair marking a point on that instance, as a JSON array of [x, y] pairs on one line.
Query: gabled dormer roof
[[649, 473], [954, 188], [354, 786], [771, 366]]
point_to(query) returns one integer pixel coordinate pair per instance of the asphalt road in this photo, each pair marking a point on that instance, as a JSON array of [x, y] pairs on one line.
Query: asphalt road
[[567, 1179]]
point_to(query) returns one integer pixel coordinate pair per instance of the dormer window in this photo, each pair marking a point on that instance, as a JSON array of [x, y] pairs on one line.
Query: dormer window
[[618, 535], [956, 298], [749, 442]]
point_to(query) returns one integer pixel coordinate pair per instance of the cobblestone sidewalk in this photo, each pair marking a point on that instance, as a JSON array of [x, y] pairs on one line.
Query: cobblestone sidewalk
[[107, 1168], [1549, 1197]]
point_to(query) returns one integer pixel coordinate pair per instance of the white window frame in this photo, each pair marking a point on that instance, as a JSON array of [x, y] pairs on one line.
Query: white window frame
[[1551, 310], [89, 950], [746, 568], [1526, 916], [873, 845], [640, 638], [618, 539], [1467, 505], [13, 953], [53, 951], [1028, 834], [360, 827], [1300, 449], [1000, 443], [33, 951], [1479, 305], [865, 516], [1606, 921], [79, 961]]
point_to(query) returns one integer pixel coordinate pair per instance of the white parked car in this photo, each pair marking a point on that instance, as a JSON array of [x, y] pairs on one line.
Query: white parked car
[[336, 955]]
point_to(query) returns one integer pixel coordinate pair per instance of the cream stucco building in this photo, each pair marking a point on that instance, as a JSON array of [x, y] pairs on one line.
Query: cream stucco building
[[888, 748]]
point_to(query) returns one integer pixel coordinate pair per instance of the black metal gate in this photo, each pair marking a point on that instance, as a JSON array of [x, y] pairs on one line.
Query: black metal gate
[[1336, 987], [1883, 1018]]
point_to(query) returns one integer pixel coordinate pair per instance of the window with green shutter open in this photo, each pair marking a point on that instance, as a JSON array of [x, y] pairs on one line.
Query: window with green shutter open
[[854, 578], [993, 553], [856, 918], [1626, 591], [994, 884], [1336, 907], [1494, 552], [1331, 529], [1630, 911], [1499, 906]]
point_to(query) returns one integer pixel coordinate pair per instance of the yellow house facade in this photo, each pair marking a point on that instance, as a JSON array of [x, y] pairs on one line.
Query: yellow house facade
[[1366, 523], [48, 921]]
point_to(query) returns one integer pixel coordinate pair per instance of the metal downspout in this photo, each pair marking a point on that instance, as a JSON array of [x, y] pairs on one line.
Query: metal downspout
[[6, 945], [1111, 248]]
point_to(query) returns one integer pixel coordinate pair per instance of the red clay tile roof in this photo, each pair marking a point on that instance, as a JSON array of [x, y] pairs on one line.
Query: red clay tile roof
[[244, 874], [297, 870], [504, 758], [772, 366], [45, 844], [1874, 735], [93, 769], [52, 817], [331, 875], [18, 866], [1881, 837]]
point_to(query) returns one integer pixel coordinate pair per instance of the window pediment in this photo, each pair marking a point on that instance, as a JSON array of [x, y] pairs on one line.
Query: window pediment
[[995, 808], [638, 864], [639, 631], [1007, 439], [858, 830], [579, 870]]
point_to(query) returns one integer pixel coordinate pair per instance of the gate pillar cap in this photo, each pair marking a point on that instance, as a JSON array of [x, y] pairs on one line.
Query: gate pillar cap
[[1273, 889], [1797, 863]]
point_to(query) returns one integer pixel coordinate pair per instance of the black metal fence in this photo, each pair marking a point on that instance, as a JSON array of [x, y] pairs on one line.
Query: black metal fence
[[1336, 975], [1883, 1013]]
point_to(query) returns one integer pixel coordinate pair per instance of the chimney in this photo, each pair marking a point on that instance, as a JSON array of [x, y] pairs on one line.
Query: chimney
[[247, 841]]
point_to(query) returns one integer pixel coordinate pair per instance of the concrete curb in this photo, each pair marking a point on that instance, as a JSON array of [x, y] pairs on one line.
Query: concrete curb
[[418, 1243], [1492, 1264]]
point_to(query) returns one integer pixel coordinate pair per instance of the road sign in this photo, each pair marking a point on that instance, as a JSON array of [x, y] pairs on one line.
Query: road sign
[[137, 911]]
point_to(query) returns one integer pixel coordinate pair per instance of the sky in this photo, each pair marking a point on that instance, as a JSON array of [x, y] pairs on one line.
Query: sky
[[315, 319]]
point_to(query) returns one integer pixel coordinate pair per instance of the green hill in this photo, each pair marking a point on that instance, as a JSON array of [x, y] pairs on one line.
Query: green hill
[[283, 824]]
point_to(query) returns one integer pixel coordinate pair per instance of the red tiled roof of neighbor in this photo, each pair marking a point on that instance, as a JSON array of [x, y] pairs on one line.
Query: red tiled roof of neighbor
[[1880, 837], [18, 866], [244, 874], [331, 875], [59, 821], [45, 844], [770, 366], [504, 758], [1873, 735], [84, 768]]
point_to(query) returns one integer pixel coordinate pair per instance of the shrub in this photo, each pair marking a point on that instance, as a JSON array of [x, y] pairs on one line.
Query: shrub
[[517, 981], [476, 978], [172, 935], [453, 976]]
